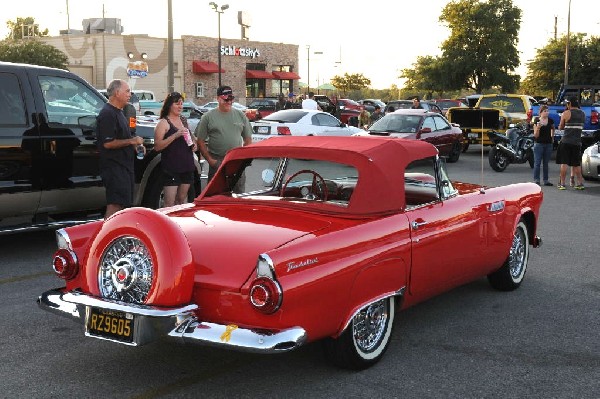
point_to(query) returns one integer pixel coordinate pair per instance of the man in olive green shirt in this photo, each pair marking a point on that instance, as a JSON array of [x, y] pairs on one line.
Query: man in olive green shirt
[[222, 129]]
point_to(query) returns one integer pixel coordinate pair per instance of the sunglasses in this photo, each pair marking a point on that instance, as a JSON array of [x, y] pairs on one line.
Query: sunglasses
[[176, 95], [227, 98]]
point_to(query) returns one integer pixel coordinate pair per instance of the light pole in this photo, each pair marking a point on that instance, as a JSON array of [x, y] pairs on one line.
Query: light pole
[[308, 65], [219, 11], [308, 68], [567, 47]]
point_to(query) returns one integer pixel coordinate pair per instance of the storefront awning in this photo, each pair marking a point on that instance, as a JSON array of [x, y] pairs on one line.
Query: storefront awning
[[251, 74], [286, 75], [205, 67]]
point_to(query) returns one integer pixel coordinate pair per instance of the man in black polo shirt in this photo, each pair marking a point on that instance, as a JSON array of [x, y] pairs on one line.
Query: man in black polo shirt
[[117, 148]]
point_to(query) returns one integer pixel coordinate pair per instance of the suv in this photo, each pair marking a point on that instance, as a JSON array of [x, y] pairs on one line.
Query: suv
[[49, 169]]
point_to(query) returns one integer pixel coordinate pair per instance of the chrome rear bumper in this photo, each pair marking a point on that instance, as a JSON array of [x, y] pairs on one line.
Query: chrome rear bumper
[[153, 323]]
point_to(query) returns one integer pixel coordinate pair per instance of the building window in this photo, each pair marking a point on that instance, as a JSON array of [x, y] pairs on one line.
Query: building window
[[199, 89]]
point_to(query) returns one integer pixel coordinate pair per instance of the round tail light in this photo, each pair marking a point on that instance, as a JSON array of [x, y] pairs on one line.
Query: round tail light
[[265, 295], [65, 264]]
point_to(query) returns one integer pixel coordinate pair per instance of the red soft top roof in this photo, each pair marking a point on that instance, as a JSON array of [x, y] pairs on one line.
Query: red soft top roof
[[380, 163]]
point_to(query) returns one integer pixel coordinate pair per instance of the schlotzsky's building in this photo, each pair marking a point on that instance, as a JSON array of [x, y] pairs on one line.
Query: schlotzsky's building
[[252, 69]]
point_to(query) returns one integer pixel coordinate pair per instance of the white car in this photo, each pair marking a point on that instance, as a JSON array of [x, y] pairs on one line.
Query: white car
[[213, 104], [300, 122]]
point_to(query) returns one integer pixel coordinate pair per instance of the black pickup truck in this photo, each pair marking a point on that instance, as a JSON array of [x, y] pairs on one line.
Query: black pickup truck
[[49, 172]]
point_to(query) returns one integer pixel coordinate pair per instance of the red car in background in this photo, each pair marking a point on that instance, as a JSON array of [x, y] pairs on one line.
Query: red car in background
[[422, 125], [258, 109], [346, 103]]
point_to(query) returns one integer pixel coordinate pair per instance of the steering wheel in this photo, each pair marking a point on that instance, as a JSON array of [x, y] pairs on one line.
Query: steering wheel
[[317, 181]]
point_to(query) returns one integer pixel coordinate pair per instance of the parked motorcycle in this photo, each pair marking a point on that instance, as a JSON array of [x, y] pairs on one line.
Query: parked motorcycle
[[516, 146]]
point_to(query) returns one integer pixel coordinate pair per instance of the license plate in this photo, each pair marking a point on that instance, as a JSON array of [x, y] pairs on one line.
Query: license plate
[[262, 130], [473, 135], [110, 324]]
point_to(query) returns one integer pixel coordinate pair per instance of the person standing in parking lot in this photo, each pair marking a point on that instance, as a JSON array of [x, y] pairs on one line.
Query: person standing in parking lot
[[364, 118], [310, 103], [416, 103], [543, 135], [291, 102], [117, 148], [376, 115], [569, 148], [173, 140], [221, 129]]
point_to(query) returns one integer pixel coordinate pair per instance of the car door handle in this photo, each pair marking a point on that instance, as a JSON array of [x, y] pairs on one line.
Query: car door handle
[[415, 225]]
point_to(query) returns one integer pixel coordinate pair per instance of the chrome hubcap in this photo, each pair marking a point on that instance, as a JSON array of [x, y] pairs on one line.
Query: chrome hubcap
[[368, 326], [126, 271], [517, 254]]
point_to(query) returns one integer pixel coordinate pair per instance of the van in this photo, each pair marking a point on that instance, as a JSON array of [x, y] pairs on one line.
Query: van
[[144, 94]]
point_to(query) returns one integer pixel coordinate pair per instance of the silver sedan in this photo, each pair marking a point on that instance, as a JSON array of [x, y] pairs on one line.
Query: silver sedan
[[590, 162], [300, 122]]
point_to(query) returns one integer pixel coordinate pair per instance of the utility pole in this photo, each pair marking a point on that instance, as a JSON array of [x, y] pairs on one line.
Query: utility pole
[[170, 58], [567, 47]]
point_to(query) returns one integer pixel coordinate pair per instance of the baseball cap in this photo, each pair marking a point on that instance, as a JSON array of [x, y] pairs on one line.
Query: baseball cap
[[224, 91], [291, 95]]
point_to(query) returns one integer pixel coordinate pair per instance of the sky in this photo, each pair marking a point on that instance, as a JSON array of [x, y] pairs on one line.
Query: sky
[[376, 39]]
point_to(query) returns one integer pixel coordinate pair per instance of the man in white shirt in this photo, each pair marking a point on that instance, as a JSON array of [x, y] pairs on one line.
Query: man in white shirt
[[309, 103]]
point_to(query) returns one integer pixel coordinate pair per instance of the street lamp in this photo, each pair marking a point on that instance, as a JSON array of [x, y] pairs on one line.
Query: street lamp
[[308, 64], [219, 10]]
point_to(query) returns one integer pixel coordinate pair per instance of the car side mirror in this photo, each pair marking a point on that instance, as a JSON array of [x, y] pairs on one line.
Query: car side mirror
[[425, 130]]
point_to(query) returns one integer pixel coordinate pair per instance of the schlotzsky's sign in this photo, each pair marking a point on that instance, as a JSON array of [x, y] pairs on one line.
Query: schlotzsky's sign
[[240, 51]]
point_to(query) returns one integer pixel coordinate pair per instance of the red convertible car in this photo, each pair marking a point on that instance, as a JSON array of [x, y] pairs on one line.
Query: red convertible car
[[296, 239]]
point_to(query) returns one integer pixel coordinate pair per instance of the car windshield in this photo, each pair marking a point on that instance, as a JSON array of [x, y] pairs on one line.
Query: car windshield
[[508, 104], [397, 123], [298, 180], [286, 116]]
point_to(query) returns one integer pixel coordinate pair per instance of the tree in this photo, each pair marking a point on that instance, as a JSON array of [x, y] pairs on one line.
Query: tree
[[481, 51], [24, 27], [429, 75], [32, 51], [546, 72], [348, 82]]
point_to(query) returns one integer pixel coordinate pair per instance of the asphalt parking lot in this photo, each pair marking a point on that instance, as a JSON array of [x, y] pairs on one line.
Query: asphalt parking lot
[[540, 341]]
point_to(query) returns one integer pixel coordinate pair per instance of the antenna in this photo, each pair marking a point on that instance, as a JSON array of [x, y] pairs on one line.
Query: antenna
[[481, 189]]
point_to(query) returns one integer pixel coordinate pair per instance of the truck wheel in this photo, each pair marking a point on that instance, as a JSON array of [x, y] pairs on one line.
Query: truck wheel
[[153, 196], [498, 161]]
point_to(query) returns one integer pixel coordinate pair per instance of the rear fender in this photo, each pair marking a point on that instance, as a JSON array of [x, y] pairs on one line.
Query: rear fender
[[375, 282], [173, 268]]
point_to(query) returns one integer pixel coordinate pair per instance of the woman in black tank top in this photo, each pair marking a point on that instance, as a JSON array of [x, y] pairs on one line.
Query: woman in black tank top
[[176, 144]]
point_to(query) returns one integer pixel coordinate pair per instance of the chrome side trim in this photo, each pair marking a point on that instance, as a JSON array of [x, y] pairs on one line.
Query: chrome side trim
[[241, 339], [45, 226]]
